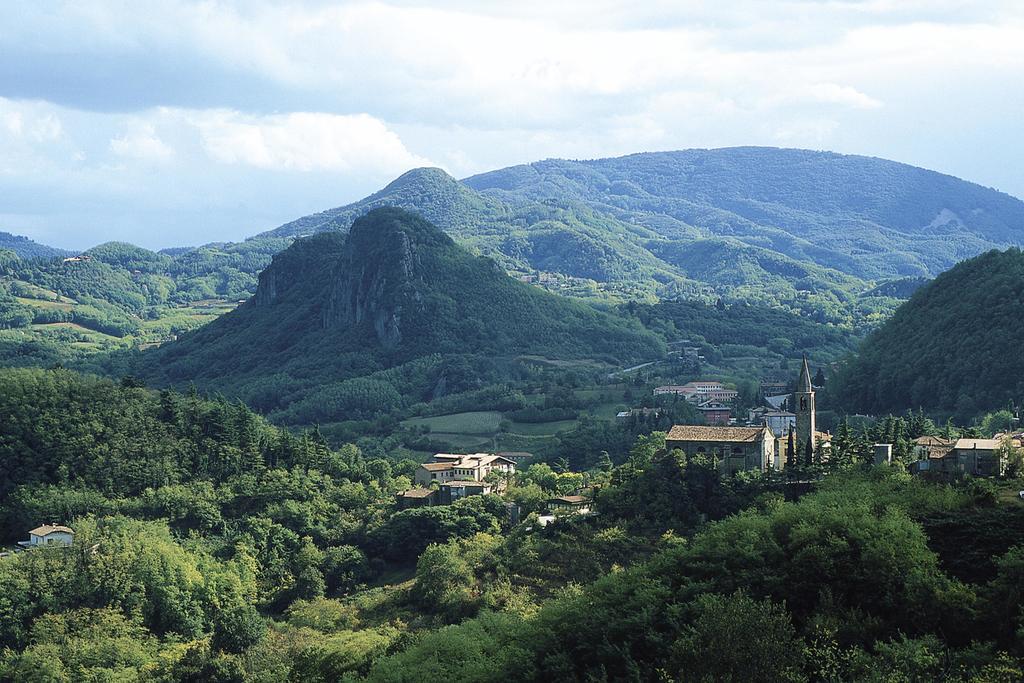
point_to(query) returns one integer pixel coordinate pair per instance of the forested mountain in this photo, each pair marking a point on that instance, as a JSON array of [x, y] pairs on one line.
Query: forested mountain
[[955, 346], [26, 248], [810, 230], [390, 314]]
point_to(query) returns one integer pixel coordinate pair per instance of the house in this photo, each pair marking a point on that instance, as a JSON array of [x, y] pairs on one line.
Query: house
[[929, 446], [946, 460], [567, 505], [715, 413], [450, 467], [418, 497], [638, 413], [979, 457], [773, 387], [735, 448], [779, 420], [452, 491], [431, 472], [49, 534]]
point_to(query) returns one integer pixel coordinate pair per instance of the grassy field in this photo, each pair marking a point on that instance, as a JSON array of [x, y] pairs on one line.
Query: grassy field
[[483, 422], [480, 431], [542, 428], [462, 442], [45, 303], [173, 320]]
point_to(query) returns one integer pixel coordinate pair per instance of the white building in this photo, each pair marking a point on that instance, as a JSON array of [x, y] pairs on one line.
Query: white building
[[49, 534]]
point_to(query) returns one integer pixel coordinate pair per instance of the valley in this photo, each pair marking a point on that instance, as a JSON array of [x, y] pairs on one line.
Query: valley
[[564, 421]]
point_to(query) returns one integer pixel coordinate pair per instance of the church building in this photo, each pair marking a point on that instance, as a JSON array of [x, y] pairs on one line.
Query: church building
[[803, 406]]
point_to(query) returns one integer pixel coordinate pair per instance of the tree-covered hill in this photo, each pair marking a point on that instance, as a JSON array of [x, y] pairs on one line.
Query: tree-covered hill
[[117, 294], [27, 249], [955, 346], [865, 216], [390, 314]]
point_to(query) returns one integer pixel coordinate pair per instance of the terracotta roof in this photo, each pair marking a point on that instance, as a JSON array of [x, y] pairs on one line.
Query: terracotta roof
[[437, 466], [706, 433], [932, 441], [47, 529], [417, 493]]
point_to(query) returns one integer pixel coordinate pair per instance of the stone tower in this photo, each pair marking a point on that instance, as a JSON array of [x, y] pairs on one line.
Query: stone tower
[[803, 406]]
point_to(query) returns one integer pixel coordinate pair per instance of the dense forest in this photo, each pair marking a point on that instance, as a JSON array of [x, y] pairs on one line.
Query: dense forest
[[212, 546], [954, 347]]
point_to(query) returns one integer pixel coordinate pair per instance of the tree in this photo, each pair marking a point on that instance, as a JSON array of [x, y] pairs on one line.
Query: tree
[[761, 642], [237, 628], [791, 460], [444, 580]]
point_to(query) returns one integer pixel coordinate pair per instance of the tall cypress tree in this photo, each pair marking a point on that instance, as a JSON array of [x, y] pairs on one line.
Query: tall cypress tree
[[790, 450]]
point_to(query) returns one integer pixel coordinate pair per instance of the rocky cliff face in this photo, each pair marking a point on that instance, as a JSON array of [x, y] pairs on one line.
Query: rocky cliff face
[[375, 283], [374, 279]]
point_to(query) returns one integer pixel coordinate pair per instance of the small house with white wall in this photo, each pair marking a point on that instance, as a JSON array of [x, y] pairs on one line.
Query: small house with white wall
[[49, 534]]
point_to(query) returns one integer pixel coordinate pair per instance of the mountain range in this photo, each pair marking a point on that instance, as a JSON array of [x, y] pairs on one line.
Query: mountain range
[[836, 239], [810, 230]]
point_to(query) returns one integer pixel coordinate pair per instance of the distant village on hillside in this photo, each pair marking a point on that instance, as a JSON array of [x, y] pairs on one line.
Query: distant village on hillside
[[779, 434]]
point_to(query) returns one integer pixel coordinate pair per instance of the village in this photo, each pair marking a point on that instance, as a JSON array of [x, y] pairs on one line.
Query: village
[[782, 433]]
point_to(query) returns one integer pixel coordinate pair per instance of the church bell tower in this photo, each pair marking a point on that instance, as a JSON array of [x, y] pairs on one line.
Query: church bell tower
[[803, 406]]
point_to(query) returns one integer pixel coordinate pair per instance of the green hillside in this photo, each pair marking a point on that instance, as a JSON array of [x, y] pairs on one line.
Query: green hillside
[[953, 347], [394, 313], [118, 295]]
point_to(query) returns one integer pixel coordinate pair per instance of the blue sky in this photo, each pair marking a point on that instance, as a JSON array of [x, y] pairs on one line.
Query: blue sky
[[174, 123]]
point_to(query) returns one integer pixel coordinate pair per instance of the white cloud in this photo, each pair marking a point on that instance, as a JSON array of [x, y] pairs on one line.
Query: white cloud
[[29, 122], [255, 96], [142, 143], [302, 141]]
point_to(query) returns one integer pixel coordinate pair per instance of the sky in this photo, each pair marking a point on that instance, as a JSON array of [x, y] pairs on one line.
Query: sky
[[172, 123]]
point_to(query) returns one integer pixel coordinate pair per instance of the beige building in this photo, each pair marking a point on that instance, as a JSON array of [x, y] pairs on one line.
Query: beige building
[[449, 467], [699, 391], [734, 448]]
